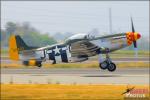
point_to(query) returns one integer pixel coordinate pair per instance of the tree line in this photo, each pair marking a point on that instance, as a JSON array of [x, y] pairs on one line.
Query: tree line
[[30, 35]]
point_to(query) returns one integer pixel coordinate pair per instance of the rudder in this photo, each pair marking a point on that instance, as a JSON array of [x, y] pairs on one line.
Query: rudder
[[13, 50], [16, 44]]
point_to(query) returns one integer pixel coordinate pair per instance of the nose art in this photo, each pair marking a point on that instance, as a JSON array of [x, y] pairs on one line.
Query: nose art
[[129, 38], [136, 36]]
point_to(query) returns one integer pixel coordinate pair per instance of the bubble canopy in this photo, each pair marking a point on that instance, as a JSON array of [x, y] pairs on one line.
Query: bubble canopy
[[77, 37]]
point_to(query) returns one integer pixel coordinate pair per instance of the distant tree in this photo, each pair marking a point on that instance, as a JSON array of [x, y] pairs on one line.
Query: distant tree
[[29, 34], [3, 36], [47, 40], [10, 28]]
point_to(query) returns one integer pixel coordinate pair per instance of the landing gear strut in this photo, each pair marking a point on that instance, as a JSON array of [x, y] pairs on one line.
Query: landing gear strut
[[54, 62], [107, 63]]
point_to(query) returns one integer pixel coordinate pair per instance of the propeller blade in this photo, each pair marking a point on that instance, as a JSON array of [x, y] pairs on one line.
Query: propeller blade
[[132, 25], [135, 48], [133, 30], [135, 44]]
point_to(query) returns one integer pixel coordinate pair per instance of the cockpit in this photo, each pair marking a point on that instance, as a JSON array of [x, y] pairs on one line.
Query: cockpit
[[79, 36]]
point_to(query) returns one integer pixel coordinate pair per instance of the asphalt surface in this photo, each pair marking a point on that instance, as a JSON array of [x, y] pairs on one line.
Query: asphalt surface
[[78, 76], [116, 60], [74, 71]]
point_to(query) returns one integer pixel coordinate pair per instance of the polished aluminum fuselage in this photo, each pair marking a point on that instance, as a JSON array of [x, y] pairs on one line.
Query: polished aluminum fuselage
[[77, 48]]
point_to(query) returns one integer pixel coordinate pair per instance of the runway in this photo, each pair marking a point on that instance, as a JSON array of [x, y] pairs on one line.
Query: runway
[[116, 60], [76, 76]]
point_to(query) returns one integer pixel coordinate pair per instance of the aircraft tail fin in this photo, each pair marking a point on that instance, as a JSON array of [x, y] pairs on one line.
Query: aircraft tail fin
[[16, 44]]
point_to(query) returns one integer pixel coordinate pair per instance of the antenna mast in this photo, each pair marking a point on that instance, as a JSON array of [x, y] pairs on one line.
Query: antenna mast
[[110, 21]]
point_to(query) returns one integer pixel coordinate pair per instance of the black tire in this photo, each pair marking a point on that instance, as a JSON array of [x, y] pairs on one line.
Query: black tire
[[39, 65], [103, 65], [111, 67]]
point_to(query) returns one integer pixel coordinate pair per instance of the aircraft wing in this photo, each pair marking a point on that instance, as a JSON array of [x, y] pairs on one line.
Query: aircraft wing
[[83, 44], [83, 48]]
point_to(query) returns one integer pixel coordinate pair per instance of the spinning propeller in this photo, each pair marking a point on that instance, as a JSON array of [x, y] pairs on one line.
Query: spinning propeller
[[134, 36]]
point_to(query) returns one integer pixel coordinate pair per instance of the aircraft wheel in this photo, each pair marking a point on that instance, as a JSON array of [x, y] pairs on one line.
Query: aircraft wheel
[[39, 65], [103, 65], [112, 67]]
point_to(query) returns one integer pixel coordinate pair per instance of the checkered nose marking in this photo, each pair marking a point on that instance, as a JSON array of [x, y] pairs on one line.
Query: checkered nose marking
[[132, 37]]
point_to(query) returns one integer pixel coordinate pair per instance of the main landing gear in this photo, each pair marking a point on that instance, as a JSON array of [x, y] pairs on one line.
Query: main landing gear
[[107, 63]]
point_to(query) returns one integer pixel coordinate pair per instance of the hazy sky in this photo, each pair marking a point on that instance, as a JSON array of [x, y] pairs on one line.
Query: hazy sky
[[77, 16]]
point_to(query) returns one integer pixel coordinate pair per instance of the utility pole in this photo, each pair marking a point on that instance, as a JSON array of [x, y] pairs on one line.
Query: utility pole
[[110, 21]]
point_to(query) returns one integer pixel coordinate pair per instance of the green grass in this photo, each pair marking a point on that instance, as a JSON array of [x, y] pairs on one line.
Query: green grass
[[4, 51]]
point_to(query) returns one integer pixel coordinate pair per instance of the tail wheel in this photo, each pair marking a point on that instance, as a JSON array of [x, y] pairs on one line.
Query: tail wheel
[[39, 65], [112, 67], [103, 65]]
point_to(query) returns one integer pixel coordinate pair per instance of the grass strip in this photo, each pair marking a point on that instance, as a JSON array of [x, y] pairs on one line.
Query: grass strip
[[67, 92]]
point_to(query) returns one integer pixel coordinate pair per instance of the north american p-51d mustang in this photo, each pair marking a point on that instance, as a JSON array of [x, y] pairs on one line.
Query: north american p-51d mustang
[[77, 48]]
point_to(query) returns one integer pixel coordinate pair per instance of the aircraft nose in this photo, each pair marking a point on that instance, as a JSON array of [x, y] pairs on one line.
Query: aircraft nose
[[136, 36], [132, 37]]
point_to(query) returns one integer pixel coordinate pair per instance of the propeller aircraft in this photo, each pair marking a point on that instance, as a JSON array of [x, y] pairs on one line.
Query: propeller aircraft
[[76, 48]]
